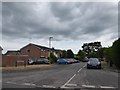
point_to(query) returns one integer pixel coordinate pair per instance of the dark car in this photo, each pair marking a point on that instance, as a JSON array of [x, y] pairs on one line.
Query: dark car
[[85, 59], [94, 63], [42, 61]]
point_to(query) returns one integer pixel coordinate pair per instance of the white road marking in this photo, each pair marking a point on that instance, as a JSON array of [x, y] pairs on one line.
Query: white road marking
[[89, 86], [106, 87], [67, 83], [72, 85], [47, 86], [63, 86], [29, 84], [84, 66], [80, 70], [11, 82]]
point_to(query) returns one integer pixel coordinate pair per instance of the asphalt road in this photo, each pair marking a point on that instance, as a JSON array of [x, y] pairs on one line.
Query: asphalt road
[[62, 76]]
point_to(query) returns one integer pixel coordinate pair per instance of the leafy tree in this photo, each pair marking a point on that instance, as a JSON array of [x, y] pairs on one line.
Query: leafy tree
[[70, 53], [64, 54], [116, 53], [53, 58], [93, 55], [107, 53], [81, 55]]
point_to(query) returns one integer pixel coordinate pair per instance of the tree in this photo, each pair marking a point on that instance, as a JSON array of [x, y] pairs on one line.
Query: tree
[[107, 53], [81, 55], [64, 54], [116, 53], [53, 58], [70, 53]]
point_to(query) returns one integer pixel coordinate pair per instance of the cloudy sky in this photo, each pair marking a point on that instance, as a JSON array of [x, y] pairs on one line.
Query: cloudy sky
[[69, 23]]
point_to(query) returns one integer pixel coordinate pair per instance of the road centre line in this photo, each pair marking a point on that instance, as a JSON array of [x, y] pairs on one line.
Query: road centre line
[[63, 86], [81, 68]]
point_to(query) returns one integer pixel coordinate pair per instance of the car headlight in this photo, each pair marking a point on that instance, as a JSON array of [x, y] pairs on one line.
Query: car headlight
[[88, 63], [99, 63]]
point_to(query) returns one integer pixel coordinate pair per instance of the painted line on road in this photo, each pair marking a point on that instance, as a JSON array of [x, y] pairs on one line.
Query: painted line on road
[[81, 68], [89, 86], [107, 87], [48, 86], [11, 82], [72, 85], [29, 84], [63, 86], [84, 66]]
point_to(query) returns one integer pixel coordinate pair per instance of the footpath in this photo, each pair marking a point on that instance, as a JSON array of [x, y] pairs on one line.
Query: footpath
[[107, 67], [25, 69]]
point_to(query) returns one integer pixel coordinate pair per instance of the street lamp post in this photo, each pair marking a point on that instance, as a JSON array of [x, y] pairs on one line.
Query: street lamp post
[[50, 42], [50, 46]]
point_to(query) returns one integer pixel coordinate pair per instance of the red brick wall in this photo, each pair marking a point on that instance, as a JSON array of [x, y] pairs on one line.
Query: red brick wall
[[34, 52], [10, 60]]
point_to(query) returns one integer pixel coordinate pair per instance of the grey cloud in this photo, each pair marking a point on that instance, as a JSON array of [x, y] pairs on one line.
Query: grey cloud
[[60, 20]]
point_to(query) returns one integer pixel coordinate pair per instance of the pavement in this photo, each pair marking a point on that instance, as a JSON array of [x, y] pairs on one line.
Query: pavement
[[64, 77], [26, 68]]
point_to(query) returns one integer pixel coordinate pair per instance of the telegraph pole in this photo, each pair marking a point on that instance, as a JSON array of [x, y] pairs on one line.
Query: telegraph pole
[[50, 46]]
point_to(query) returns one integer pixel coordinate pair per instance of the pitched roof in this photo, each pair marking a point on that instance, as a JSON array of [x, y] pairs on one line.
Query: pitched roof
[[12, 52], [1, 48], [41, 47]]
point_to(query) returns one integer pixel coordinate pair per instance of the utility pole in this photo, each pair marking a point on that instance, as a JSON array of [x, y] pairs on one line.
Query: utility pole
[[50, 42], [50, 46]]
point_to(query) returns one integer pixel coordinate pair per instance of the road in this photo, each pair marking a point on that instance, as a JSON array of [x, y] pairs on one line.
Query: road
[[62, 76]]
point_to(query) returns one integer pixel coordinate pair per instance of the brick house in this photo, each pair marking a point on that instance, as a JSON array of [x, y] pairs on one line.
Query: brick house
[[29, 51], [11, 58], [35, 51]]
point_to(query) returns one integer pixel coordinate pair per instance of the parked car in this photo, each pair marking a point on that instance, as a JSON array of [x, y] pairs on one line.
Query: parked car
[[42, 61], [30, 61], [72, 60], [63, 61], [94, 63], [76, 61], [85, 59]]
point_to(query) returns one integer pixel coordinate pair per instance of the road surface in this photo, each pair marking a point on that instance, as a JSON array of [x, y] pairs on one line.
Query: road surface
[[62, 76]]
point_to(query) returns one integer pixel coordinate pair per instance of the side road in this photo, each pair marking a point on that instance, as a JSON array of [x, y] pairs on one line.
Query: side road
[[24, 69]]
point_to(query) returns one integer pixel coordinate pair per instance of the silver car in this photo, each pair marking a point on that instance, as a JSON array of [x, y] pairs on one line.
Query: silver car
[[94, 63]]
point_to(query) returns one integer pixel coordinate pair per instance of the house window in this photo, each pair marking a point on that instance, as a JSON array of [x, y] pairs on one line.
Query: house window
[[28, 50]]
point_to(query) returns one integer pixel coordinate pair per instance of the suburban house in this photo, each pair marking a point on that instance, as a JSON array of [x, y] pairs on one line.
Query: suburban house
[[11, 58], [32, 51], [37, 51]]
